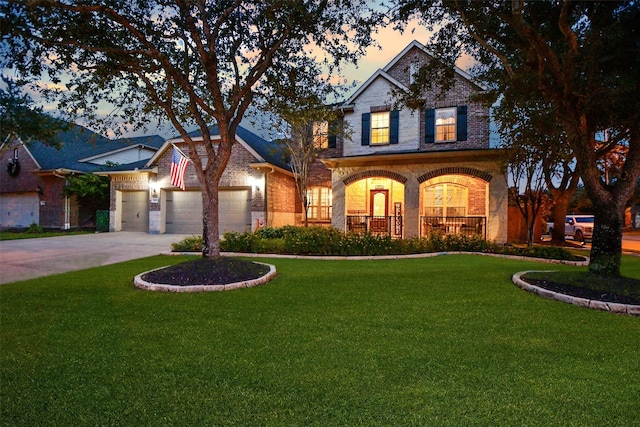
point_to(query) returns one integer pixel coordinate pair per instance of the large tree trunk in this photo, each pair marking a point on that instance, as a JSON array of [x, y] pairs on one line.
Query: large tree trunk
[[210, 222], [561, 205], [606, 252]]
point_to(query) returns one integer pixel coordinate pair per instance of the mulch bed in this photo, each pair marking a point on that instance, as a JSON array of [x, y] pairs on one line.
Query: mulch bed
[[580, 292], [207, 271]]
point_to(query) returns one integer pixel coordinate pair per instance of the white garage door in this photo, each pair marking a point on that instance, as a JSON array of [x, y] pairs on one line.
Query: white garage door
[[135, 211], [184, 211], [19, 210]]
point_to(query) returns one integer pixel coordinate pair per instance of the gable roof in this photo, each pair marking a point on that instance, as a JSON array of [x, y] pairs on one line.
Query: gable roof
[[365, 85], [261, 149], [420, 46], [80, 144], [384, 72]]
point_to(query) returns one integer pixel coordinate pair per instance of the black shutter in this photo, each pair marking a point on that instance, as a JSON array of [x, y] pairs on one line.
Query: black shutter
[[394, 126], [333, 133], [461, 123], [430, 126], [366, 128]]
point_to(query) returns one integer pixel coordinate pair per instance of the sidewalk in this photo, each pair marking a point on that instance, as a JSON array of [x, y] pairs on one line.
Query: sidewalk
[[31, 258]]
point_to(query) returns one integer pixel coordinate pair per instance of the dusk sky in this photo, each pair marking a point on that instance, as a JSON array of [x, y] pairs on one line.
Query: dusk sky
[[390, 42]]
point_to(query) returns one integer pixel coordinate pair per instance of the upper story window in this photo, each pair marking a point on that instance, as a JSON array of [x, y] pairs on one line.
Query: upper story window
[[321, 134], [445, 124], [414, 67], [380, 128]]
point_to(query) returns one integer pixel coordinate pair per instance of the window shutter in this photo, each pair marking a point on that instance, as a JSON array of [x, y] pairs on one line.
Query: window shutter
[[333, 133], [394, 126], [430, 126], [461, 123], [366, 128]]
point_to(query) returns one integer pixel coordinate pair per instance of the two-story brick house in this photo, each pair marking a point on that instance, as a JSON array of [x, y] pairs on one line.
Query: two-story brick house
[[408, 172]]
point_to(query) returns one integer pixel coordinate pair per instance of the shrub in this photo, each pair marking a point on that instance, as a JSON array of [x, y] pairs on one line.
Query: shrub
[[35, 229], [331, 241], [188, 244], [237, 242]]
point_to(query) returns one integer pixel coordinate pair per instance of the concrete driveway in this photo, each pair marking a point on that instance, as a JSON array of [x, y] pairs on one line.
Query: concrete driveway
[[31, 258]]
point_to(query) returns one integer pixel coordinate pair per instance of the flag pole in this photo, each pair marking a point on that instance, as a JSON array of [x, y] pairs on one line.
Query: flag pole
[[180, 151]]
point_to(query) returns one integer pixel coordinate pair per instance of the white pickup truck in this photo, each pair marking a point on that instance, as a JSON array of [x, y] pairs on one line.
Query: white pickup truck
[[580, 227]]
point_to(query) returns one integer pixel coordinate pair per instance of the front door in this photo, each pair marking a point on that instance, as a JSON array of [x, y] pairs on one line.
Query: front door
[[379, 211]]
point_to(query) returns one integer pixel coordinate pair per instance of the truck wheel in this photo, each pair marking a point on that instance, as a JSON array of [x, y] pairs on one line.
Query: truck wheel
[[579, 237]]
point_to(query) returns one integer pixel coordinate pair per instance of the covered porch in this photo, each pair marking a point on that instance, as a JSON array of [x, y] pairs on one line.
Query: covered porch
[[417, 194]]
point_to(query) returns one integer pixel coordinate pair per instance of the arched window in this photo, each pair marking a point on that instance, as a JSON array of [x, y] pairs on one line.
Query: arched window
[[445, 200]]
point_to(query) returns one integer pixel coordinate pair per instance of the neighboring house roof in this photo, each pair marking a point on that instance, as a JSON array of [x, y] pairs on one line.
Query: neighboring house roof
[[81, 147], [264, 151]]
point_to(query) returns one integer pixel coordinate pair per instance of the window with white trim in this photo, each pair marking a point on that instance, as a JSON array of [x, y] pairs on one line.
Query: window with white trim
[[445, 124], [319, 200], [380, 128]]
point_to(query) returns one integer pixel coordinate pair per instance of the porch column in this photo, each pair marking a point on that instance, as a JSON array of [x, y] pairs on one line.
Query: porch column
[[338, 203], [411, 208]]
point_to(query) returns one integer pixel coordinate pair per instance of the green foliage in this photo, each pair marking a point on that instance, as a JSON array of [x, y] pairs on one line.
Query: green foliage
[[549, 252], [34, 228], [188, 244], [332, 242], [21, 118], [87, 185]]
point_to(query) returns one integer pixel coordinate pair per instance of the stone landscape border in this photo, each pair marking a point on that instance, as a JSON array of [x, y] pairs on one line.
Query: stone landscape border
[[613, 307], [160, 287], [629, 309], [373, 257]]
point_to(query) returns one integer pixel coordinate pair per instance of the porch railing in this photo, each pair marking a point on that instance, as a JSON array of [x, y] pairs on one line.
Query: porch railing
[[465, 225], [379, 225]]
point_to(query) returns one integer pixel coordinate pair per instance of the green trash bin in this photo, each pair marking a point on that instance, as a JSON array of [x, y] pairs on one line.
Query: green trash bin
[[102, 220]]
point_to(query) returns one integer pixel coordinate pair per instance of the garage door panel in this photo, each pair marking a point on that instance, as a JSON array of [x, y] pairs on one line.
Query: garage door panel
[[19, 210], [184, 211], [135, 211]]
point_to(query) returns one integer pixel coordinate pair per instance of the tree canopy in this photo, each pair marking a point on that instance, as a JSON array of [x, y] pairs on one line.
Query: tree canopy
[[581, 58], [21, 119], [191, 63]]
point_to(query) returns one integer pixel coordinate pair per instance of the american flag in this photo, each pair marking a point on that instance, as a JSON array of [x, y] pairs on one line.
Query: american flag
[[179, 165]]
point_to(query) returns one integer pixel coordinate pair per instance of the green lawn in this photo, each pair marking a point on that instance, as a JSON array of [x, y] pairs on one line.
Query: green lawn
[[16, 235], [437, 341]]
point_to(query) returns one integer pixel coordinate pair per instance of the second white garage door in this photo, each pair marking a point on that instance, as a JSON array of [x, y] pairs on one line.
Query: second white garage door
[[184, 211]]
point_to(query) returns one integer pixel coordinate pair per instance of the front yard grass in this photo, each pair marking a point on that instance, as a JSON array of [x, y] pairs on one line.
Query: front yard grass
[[15, 235], [440, 341]]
